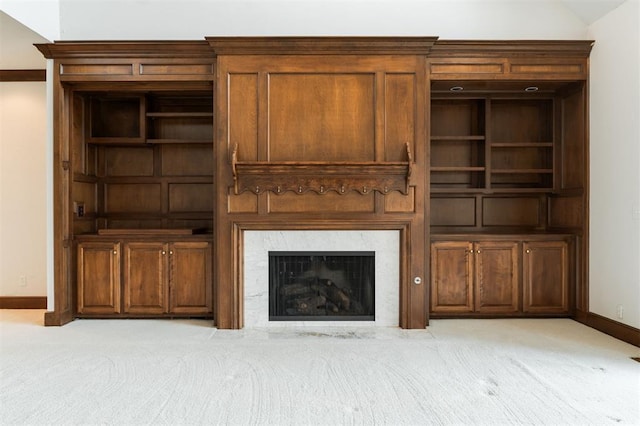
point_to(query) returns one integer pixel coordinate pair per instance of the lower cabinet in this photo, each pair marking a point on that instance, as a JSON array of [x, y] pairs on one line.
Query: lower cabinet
[[499, 277], [545, 277], [99, 278], [147, 278]]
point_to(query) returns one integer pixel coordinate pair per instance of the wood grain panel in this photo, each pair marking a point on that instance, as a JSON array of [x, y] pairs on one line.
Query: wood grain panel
[[546, 68], [400, 115], [98, 277], [545, 276], [247, 202], [145, 277], [187, 160], [243, 114], [496, 279], [457, 117], [321, 117], [326, 203], [451, 276], [96, 69], [573, 149], [86, 192], [135, 197], [176, 69], [453, 211], [566, 212], [395, 202], [190, 197], [190, 277], [470, 68], [129, 161], [517, 211]]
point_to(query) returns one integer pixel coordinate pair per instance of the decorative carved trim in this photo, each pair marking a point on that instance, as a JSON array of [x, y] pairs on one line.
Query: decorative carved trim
[[321, 177]]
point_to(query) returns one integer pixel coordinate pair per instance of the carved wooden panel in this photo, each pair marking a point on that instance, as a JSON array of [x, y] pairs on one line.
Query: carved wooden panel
[[454, 211], [190, 197], [327, 203], [327, 117], [187, 160], [132, 197], [566, 212], [242, 110], [496, 276], [129, 161], [518, 211]]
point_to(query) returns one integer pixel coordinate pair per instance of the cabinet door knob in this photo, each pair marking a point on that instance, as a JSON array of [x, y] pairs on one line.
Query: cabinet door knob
[[477, 251], [115, 252], [528, 250], [471, 251], [164, 252], [171, 252]]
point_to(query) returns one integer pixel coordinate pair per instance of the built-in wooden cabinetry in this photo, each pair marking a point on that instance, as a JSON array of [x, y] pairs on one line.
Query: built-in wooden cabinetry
[[166, 152], [134, 276], [508, 178], [514, 275]]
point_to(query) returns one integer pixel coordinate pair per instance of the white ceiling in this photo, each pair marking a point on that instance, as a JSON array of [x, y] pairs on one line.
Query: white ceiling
[[17, 52], [590, 11]]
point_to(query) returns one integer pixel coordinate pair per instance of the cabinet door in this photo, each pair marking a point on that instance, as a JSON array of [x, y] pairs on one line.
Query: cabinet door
[[98, 278], [145, 278], [451, 276], [545, 275], [190, 278], [496, 276]]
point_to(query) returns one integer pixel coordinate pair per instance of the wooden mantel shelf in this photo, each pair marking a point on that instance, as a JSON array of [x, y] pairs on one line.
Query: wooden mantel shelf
[[321, 177]]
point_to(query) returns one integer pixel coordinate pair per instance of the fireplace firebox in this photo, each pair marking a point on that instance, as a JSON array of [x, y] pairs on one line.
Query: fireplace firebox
[[321, 286]]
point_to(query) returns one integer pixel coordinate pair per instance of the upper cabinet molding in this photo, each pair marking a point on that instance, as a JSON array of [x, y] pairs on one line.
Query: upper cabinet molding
[[321, 45], [125, 49], [511, 48], [504, 60]]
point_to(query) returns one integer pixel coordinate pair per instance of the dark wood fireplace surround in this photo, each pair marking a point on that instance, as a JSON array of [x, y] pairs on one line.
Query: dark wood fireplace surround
[[166, 152]]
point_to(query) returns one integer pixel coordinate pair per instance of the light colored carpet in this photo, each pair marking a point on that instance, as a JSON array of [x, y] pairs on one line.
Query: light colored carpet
[[521, 371]]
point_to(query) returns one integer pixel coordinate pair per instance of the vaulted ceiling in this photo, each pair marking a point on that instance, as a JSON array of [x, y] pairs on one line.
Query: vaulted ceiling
[[17, 52], [590, 11]]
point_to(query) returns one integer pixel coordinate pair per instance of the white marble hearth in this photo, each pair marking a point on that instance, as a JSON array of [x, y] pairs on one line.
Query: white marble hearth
[[385, 244]]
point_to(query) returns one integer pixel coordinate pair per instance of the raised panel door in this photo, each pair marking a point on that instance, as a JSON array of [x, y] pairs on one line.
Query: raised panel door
[[496, 276], [98, 278], [451, 277], [190, 277], [145, 278], [546, 277]]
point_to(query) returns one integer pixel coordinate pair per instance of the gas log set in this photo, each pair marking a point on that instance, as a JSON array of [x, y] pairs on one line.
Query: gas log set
[[321, 286]]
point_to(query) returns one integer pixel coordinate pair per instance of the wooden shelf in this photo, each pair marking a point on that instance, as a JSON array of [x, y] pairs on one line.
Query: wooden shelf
[[521, 171], [457, 169], [458, 138], [321, 177], [178, 141], [522, 145], [179, 114]]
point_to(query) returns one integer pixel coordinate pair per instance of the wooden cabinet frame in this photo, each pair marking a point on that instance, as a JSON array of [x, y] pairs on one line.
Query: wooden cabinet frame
[[402, 73]]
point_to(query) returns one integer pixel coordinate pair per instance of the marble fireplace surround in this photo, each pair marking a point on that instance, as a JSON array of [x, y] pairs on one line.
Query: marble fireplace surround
[[258, 243]]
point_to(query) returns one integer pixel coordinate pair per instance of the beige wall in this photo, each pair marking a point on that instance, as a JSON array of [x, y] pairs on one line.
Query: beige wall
[[614, 275], [615, 135], [23, 136]]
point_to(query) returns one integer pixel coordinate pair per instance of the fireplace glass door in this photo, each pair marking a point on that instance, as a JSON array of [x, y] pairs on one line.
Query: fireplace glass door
[[321, 286]]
